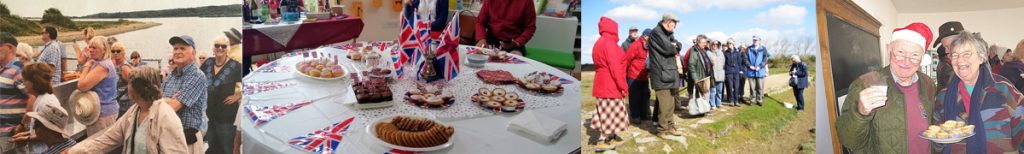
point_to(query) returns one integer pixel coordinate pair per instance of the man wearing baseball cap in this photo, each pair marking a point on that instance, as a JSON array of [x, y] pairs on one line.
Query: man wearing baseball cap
[[629, 40], [886, 109], [945, 69], [186, 88], [757, 69]]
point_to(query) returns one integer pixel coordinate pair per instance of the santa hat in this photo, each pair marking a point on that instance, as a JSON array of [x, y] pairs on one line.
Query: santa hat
[[917, 32]]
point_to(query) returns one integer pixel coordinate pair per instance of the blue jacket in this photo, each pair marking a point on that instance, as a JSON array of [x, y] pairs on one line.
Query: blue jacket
[[757, 56], [734, 61], [440, 14], [801, 74]]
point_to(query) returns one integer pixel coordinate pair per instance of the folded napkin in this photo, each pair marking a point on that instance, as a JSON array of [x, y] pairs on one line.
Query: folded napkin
[[537, 126]]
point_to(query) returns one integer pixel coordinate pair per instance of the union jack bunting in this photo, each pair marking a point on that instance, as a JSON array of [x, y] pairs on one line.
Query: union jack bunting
[[251, 88], [263, 114], [325, 140]]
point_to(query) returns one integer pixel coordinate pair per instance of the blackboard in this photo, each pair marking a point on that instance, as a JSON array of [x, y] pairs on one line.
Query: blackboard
[[854, 52]]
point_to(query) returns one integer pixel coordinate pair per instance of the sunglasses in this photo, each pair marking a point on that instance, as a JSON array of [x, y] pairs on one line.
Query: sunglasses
[[135, 57], [221, 46], [115, 51]]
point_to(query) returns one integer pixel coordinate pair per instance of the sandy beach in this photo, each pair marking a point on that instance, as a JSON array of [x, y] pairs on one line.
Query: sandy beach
[[77, 35]]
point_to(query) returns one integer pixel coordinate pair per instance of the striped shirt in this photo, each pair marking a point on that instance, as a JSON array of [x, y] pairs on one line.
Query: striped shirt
[[12, 98], [191, 83], [52, 53], [58, 148]]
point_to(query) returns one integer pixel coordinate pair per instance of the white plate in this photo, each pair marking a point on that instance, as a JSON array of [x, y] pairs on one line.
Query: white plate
[[946, 140], [343, 75], [373, 135]]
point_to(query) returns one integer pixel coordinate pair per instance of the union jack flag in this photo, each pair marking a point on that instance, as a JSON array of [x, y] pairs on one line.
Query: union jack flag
[[448, 53], [409, 39], [325, 140], [263, 114]]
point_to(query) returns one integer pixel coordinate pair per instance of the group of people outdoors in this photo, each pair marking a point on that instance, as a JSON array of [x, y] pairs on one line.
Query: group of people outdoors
[[125, 105], [713, 70], [886, 110]]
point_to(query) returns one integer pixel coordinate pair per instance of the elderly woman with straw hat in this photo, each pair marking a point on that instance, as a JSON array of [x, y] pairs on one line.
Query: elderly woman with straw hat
[[99, 76], [149, 126]]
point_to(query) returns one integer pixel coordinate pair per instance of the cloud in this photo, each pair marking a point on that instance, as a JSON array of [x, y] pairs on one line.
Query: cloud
[[632, 13], [587, 47], [741, 4], [782, 15], [717, 36], [694, 5]]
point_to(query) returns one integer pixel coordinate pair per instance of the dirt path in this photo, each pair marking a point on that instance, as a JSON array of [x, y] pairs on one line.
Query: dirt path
[[796, 137]]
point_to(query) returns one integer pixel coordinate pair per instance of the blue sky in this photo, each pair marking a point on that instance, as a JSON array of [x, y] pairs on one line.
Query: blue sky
[[719, 19]]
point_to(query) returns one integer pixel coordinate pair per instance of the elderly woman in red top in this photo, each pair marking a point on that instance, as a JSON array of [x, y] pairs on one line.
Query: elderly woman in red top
[[609, 86], [637, 80], [507, 24]]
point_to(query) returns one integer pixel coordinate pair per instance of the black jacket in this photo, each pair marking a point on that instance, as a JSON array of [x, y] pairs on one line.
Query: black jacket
[[661, 55], [625, 44]]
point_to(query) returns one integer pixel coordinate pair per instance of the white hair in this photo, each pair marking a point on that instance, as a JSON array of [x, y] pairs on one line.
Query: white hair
[[25, 49], [796, 58]]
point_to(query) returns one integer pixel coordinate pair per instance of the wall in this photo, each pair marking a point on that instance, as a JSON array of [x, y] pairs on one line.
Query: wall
[[886, 13], [1000, 26], [380, 23]]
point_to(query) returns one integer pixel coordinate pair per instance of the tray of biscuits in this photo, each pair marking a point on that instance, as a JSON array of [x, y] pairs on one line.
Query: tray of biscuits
[[948, 132], [411, 133], [498, 100]]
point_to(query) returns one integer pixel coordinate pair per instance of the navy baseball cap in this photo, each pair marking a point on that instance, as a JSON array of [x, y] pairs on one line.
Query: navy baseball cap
[[183, 39]]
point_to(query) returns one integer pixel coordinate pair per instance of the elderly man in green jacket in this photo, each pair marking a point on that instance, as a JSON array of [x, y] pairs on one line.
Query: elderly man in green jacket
[[886, 109]]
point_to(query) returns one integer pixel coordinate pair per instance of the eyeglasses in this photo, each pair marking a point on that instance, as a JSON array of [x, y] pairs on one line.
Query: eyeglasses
[[961, 55], [905, 55], [221, 46]]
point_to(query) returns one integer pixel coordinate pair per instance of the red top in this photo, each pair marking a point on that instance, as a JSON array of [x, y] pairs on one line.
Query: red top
[[609, 65], [507, 20], [636, 58], [916, 122]]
